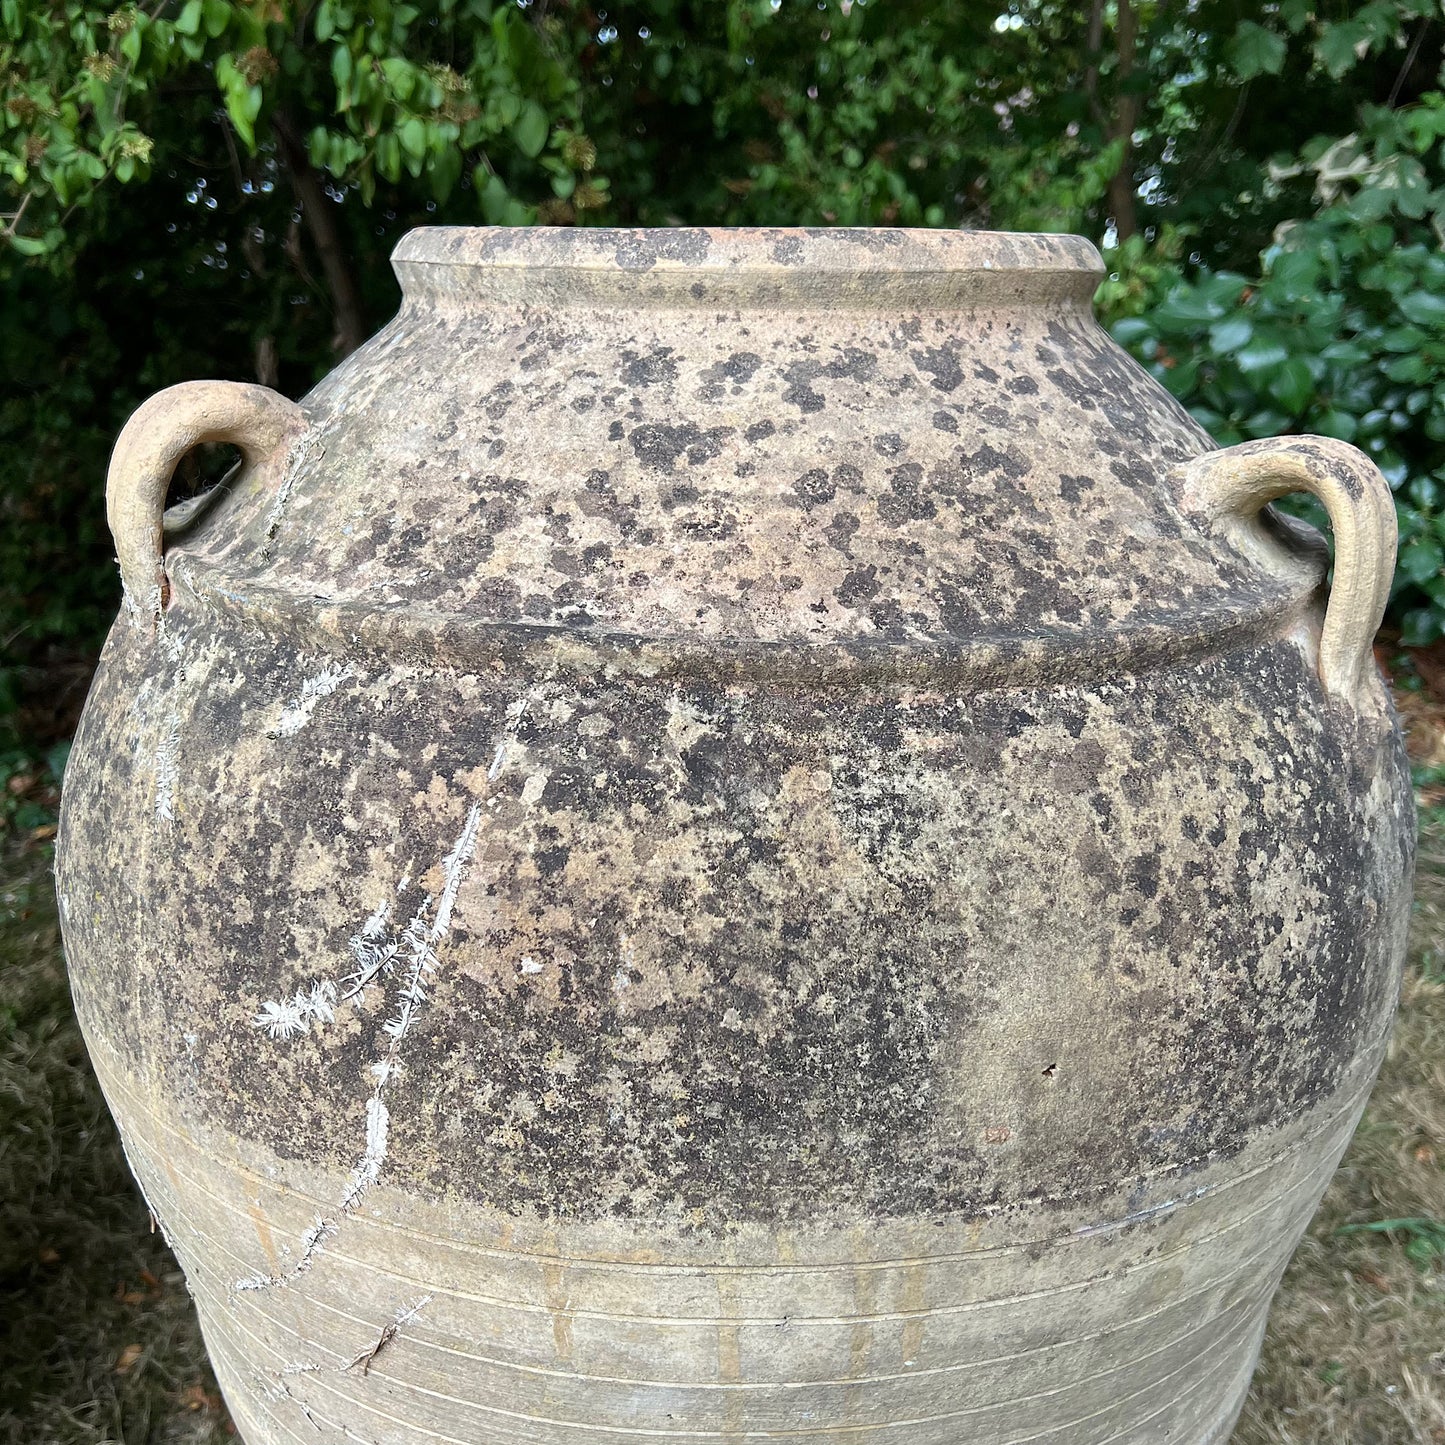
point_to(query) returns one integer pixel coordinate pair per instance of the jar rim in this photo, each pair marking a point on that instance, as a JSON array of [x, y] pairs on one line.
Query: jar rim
[[747, 266]]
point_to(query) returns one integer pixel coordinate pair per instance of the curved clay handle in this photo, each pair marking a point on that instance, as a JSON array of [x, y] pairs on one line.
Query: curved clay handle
[[1229, 487], [261, 422]]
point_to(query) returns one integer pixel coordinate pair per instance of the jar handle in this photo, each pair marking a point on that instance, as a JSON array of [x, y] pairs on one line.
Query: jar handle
[[261, 422], [1227, 488]]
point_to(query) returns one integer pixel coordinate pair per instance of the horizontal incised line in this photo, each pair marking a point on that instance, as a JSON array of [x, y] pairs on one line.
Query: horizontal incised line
[[315, 1205], [373, 1267], [320, 1378], [417, 1337]]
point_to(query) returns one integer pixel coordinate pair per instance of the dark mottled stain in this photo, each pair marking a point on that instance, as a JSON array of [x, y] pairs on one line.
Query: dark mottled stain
[[656, 367], [800, 391], [859, 585], [842, 527], [824, 1054], [730, 375], [658, 447], [814, 487], [942, 365], [905, 500], [642, 250]]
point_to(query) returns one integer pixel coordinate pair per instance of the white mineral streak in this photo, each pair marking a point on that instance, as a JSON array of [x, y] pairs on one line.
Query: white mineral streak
[[168, 750], [296, 715], [155, 612], [306, 449], [277, 1388], [420, 939], [311, 1241], [168, 770], [286, 1019], [407, 1314], [368, 1167], [373, 952]]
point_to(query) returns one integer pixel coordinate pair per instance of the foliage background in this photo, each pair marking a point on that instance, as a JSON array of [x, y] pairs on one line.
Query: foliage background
[[212, 187]]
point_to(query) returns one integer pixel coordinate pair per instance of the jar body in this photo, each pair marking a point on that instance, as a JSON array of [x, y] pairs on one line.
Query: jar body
[[787, 1060], [525, 1035]]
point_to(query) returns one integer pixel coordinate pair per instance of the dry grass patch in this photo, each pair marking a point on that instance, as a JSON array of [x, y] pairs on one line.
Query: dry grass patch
[[1356, 1348], [98, 1338]]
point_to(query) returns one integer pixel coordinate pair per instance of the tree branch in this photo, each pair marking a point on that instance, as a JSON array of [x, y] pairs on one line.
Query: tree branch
[[317, 211], [1122, 203], [1094, 45], [1413, 52]]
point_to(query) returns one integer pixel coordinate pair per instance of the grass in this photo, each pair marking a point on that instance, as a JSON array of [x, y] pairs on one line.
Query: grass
[[99, 1343], [98, 1338], [1356, 1348]]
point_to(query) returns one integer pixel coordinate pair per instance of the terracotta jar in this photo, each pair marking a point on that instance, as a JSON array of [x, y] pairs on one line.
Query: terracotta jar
[[731, 836]]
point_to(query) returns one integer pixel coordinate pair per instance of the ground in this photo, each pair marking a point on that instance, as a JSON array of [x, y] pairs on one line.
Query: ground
[[99, 1343]]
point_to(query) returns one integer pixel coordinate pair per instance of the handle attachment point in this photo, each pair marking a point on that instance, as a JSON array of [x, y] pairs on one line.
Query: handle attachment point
[[261, 422], [1228, 488]]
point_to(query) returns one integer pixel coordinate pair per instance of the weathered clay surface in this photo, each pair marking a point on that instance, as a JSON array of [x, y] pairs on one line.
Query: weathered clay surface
[[714, 852]]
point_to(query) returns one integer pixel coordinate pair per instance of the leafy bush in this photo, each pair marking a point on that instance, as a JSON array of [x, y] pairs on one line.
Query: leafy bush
[[212, 187], [1341, 332]]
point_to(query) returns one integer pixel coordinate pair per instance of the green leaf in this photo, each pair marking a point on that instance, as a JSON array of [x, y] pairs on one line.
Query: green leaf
[[444, 172], [341, 68], [1345, 353], [1131, 330], [1185, 311], [1402, 338], [217, 17], [1256, 51], [1425, 308], [1336, 47], [530, 131], [388, 156], [1338, 424], [1293, 385], [1296, 14], [1409, 368], [243, 105], [188, 22], [1294, 273], [1261, 355], [1230, 334], [492, 195], [412, 135], [1426, 492], [29, 245], [401, 76]]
